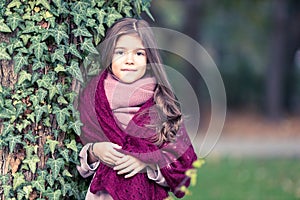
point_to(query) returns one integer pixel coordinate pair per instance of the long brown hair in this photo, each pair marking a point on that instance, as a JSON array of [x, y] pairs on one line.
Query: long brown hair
[[168, 106]]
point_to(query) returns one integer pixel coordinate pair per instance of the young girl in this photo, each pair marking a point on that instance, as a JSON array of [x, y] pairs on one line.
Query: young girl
[[135, 142]]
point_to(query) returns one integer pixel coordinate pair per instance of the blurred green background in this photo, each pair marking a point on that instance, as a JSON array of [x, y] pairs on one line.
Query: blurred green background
[[256, 46]]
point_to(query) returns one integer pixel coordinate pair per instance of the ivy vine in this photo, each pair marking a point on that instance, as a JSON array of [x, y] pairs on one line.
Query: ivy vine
[[49, 43]]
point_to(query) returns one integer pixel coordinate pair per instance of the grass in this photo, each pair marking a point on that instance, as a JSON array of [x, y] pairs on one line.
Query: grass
[[248, 179]]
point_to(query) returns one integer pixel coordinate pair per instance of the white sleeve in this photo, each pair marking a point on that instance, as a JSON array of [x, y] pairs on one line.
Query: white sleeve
[[86, 169], [156, 176]]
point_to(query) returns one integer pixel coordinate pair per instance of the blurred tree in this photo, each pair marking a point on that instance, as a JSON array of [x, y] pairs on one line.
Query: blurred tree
[[285, 40]]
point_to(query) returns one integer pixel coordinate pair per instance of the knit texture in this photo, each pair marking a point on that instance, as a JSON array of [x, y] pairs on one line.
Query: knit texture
[[126, 99], [173, 158]]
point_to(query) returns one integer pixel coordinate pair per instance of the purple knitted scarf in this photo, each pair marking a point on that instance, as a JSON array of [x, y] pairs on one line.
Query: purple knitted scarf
[[173, 158]]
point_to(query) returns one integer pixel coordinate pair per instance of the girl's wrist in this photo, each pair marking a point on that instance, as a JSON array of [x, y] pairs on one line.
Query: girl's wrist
[[92, 154]]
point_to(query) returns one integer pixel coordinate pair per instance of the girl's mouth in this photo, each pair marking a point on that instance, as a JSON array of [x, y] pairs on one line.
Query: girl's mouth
[[129, 70]]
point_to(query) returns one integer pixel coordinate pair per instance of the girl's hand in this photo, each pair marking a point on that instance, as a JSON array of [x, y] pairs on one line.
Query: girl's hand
[[107, 152], [129, 164]]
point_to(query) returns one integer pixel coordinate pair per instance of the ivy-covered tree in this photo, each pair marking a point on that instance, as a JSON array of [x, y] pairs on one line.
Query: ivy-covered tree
[[44, 57]]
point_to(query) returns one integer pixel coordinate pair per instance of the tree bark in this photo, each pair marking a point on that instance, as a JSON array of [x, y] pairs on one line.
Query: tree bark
[[7, 79], [276, 69]]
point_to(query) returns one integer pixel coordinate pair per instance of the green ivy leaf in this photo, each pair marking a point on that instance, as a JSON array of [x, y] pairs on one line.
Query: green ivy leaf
[[42, 173], [61, 115], [13, 140], [78, 17], [45, 82], [50, 179], [2, 143], [46, 122], [4, 55], [145, 7], [22, 125], [20, 108], [75, 71], [30, 27], [14, 3], [58, 55], [52, 91], [65, 154], [23, 76], [90, 12], [100, 14], [41, 94], [65, 188], [39, 184], [14, 21], [81, 31], [27, 190], [122, 4], [72, 145], [7, 129], [4, 179], [59, 68], [59, 34], [25, 38], [113, 15], [35, 77], [55, 165], [17, 43], [76, 127], [57, 3], [81, 6], [32, 162], [6, 189], [127, 11], [39, 49], [6, 113], [20, 61], [73, 50], [38, 65], [18, 180], [67, 173], [31, 149], [52, 144], [71, 96], [88, 46], [45, 3], [55, 195], [29, 136], [3, 27], [31, 116], [62, 100], [91, 23], [39, 111]]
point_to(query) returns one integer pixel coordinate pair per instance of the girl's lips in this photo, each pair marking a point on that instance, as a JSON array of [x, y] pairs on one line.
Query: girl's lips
[[129, 70]]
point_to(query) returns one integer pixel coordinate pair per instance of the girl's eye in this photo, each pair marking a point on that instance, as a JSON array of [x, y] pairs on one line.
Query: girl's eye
[[140, 53], [119, 52]]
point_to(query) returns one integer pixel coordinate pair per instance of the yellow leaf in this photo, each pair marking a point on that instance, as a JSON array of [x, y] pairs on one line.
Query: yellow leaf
[[198, 163], [37, 9], [48, 15]]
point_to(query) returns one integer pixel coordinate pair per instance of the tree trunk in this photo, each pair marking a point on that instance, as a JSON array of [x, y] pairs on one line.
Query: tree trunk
[[276, 69], [7, 79]]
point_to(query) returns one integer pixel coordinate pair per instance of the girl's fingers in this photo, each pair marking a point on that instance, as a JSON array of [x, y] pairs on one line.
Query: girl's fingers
[[126, 170], [122, 160], [117, 154], [132, 173], [116, 146], [109, 161]]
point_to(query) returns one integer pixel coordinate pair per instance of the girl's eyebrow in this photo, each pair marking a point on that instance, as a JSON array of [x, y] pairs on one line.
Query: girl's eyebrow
[[126, 48]]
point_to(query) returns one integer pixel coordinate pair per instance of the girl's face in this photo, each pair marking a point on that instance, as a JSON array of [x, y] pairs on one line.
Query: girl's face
[[129, 59]]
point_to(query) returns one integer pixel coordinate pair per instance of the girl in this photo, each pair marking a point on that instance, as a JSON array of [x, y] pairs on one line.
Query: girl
[[134, 140]]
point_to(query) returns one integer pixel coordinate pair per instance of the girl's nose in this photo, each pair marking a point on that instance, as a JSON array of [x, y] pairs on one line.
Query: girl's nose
[[129, 58]]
